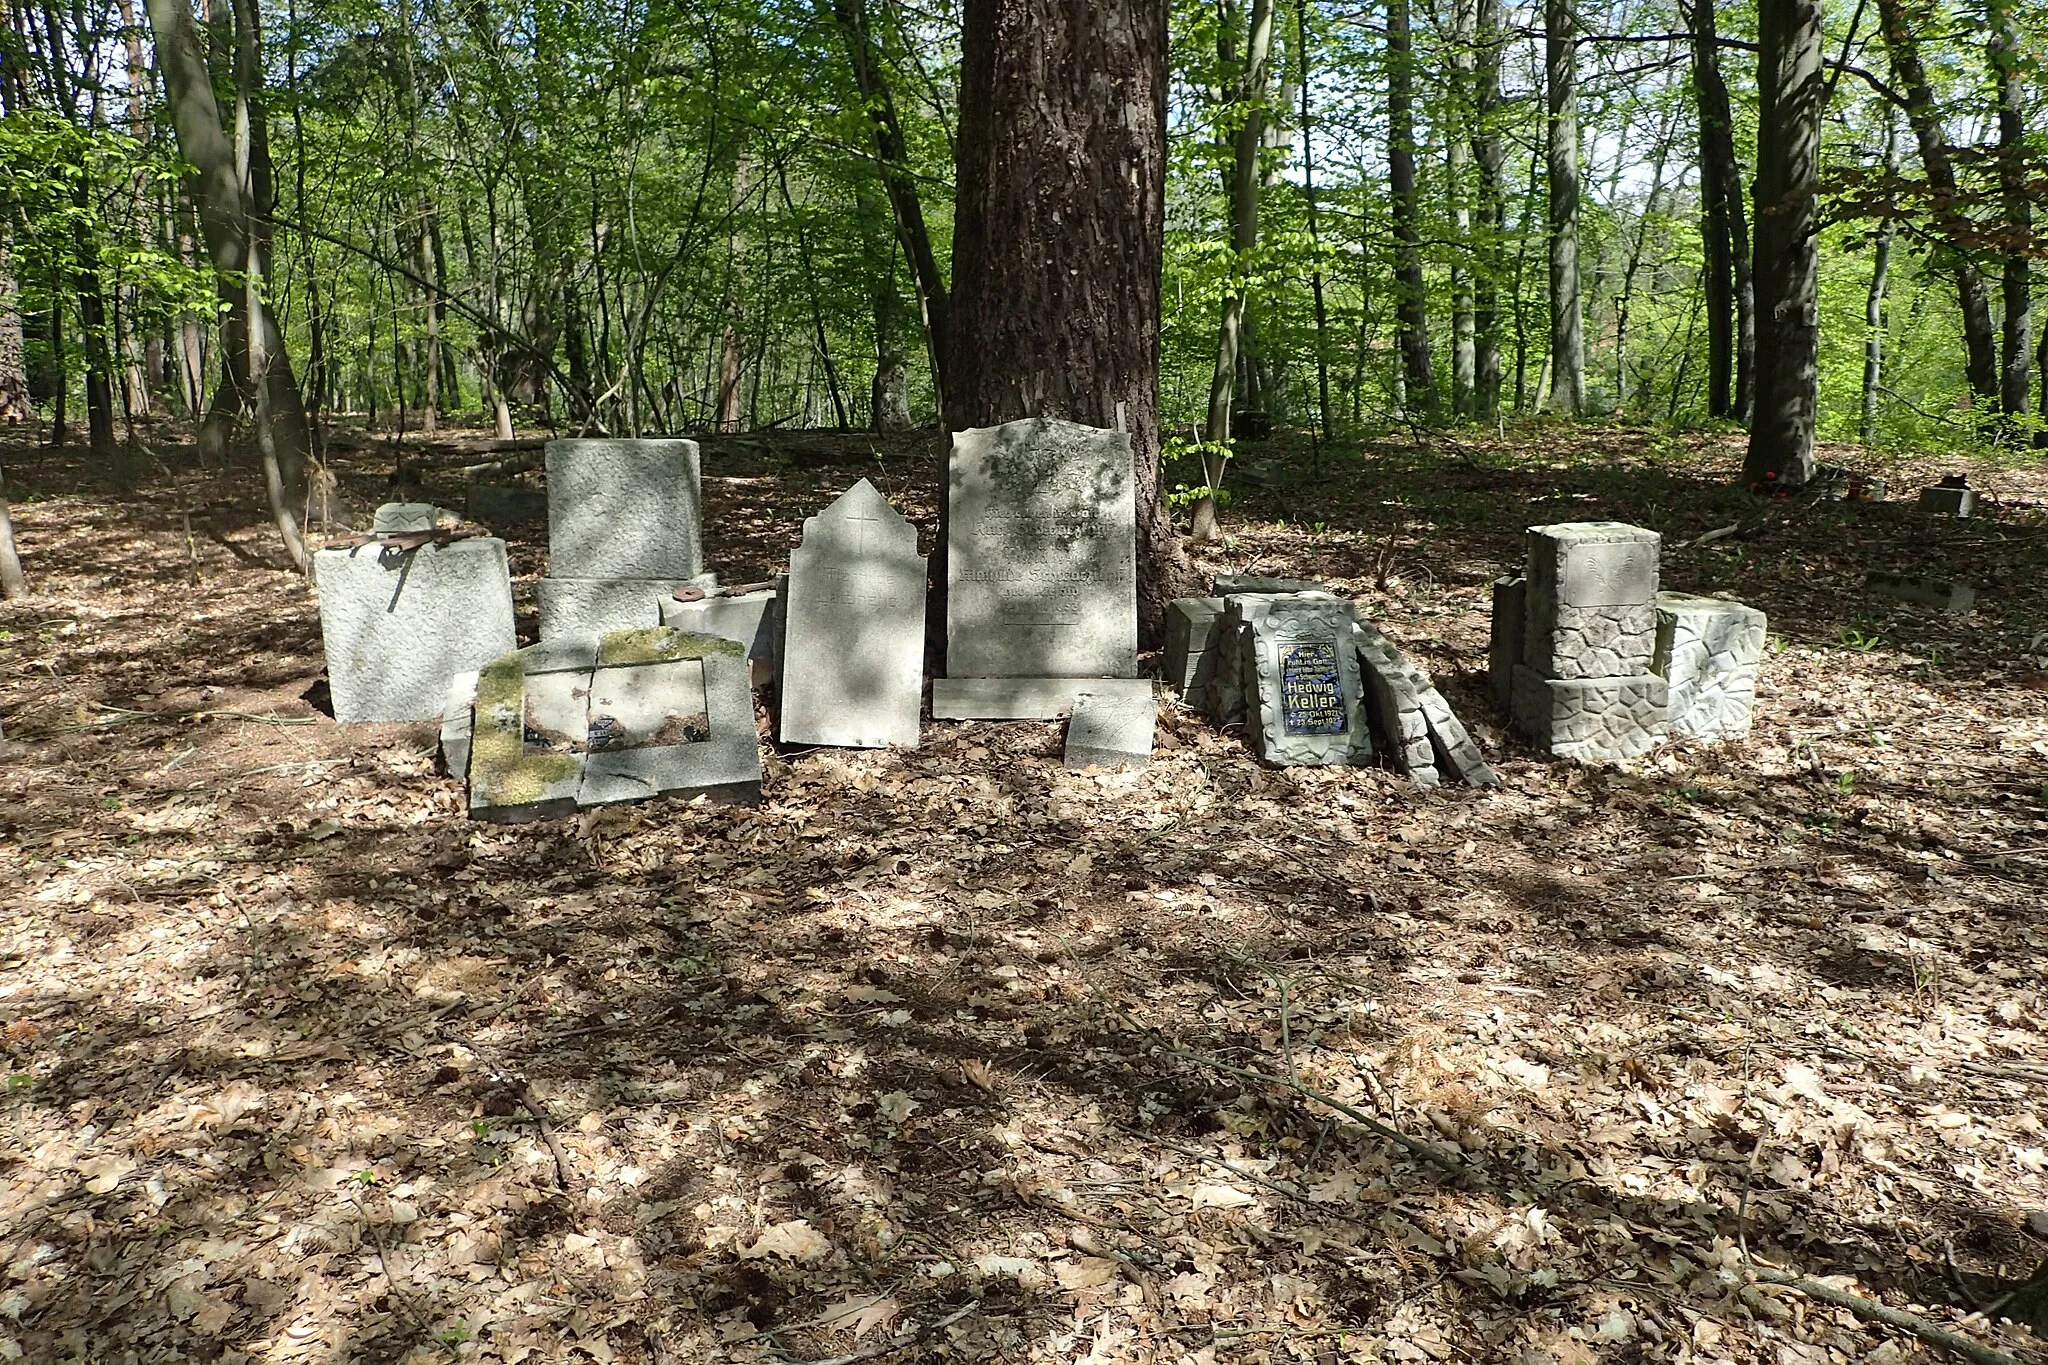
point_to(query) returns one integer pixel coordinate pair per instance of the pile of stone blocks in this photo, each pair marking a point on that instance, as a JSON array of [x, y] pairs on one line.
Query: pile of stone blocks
[[1592, 662], [399, 621], [625, 529], [593, 720], [1422, 735]]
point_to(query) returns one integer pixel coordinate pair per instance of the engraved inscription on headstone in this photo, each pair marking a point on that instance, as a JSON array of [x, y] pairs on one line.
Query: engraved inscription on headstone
[[1610, 575], [1311, 702]]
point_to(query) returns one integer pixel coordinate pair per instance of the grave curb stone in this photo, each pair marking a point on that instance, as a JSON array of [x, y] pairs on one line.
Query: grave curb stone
[[507, 783], [1708, 653], [1108, 719], [625, 509], [1456, 750], [723, 768], [1190, 659], [1394, 705], [1504, 641], [1591, 719], [592, 606], [1251, 585], [1960, 598], [396, 625], [1289, 624]]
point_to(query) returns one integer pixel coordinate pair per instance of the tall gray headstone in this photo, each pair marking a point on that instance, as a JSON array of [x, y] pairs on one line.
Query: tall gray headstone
[[398, 624], [1041, 553], [625, 509], [852, 663]]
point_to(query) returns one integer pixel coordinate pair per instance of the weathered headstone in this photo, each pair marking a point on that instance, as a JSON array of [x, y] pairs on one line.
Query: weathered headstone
[[625, 529], [1227, 696], [1041, 553], [1949, 499], [1927, 592], [754, 619], [1191, 634], [593, 720], [1504, 647], [1584, 688], [1708, 651], [851, 671], [1112, 725], [1304, 696], [398, 624]]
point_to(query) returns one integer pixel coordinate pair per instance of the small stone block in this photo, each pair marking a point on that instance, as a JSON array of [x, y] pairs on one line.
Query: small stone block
[[1708, 652], [1591, 719], [398, 624], [592, 606], [1007, 698], [1190, 653], [1112, 725], [399, 518], [1942, 501], [1393, 702], [1231, 584], [1504, 648], [1927, 592]]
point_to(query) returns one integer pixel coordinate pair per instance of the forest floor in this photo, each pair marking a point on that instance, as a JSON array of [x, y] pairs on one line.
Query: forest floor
[[955, 1055]]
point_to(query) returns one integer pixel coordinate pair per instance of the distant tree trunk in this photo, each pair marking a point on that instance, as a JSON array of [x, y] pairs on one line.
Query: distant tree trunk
[[1730, 295], [1488, 157], [893, 160], [1458, 171], [1873, 303], [2008, 72], [231, 186], [1924, 113], [1315, 236], [1792, 91], [1063, 141], [16, 406], [1624, 303], [1561, 84], [1246, 94], [1411, 309]]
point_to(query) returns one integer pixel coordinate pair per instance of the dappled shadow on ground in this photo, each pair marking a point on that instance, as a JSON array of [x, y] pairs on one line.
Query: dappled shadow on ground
[[937, 1028]]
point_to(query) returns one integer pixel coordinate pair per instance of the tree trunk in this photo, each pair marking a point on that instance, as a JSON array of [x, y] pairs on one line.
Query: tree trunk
[[1925, 116], [1488, 157], [231, 186], [1246, 94], [1458, 172], [1561, 84], [1315, 236], [16, 406], [1873, 302], [1730, 298], [1058, 238], [1792, 91], [1411, 299], [2008, 74], [893, 160]]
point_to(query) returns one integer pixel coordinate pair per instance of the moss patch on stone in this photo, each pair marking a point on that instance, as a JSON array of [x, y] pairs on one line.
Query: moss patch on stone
[[501, 771], [660, 645]]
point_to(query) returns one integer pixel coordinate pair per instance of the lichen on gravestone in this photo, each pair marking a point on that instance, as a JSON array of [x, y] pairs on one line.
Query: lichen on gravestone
[[660, 645]]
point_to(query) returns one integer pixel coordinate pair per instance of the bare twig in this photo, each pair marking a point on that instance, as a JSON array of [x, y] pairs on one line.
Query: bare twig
[[904, 1341], [1912, 1323]]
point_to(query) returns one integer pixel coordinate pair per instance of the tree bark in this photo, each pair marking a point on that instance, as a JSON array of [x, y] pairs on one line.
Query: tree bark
[[1245, 97], [1924, 114], [16, 406], [1561, 86], [1730, 294], [2008, 75], [1058, 238], [1488, 158], [1792, 92], [1411, 309], [1873, 302], [231, 187], [1458, 171], [1324, 412]]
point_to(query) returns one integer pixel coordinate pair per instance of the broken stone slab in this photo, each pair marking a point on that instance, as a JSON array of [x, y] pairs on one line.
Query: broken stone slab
[[1231, 584], [1591, 719], [754, 619], [1303, 697], [592, 606], [1393, 688], [1591, 599], [1007, 698], [1190, 646], [455, 724], [509, 780], [1948, 500], [851, 668], [1504, 644], [1112, 725], [398, 624], [624, 509], [1927, 592], [400, 518], [1457, 752], [1708, 653]]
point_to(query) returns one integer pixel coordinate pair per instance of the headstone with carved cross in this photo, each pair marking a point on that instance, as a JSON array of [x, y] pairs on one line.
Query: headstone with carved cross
[[852, 658]]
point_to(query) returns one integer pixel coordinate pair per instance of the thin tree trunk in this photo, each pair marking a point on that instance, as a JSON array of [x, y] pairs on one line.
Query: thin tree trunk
[[1488, 157], [1412, 305], [1792, 93], [1873, 303], [2008, 73], [1315, 236], [1626, 301], [16, 405], [1924, 113], [1041, 329], [1246, 95], [1561, 81], [1457, 165], [1723, 229]]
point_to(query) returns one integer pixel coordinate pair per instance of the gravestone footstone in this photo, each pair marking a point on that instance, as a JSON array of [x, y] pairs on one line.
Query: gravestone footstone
[[1112, 725], [593, 606], [1006, 698]]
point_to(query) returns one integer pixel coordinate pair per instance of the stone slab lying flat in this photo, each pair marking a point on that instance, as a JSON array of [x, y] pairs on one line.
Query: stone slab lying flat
[[1943, 501], [1191, 637], [592, 606], [1303, 697], [1007, 698], [1591, 719], [1927, 592], [1504, 645], [1230, 584], [624, 509], [398, 624], [1591, 609], [655, 750], [1113, 725], [1708, 652]]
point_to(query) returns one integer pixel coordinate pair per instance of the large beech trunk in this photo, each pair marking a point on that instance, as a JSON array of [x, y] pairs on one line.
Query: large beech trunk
[[1058, 238], [1792, 93]]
